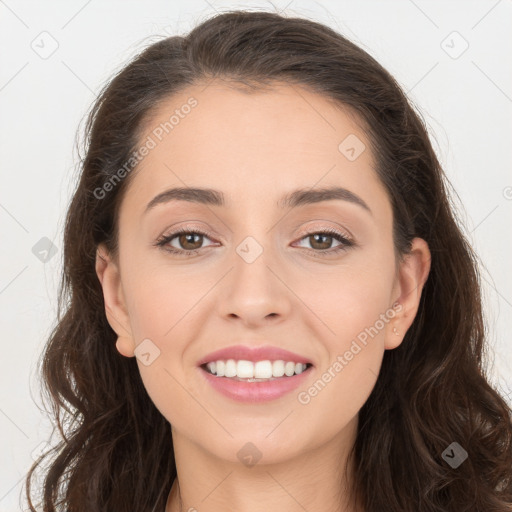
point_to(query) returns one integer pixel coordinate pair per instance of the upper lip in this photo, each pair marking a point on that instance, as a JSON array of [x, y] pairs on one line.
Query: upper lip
[[246, 353]]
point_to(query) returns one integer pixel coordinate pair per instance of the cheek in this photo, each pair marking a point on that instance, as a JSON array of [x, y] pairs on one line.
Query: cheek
[[354, 306], [163, 303], [346, 378], [154, 309], [161, 309], [351, 299], [158, 294]]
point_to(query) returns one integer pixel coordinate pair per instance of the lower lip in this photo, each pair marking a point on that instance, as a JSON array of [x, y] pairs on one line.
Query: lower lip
[[255, 391]]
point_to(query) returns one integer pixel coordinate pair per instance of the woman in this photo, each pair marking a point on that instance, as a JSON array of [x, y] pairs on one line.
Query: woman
[[271, 305]]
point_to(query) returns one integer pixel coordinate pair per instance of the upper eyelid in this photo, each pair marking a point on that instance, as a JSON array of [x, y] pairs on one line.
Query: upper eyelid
[[341, 231], [302, 233], [314, 229]]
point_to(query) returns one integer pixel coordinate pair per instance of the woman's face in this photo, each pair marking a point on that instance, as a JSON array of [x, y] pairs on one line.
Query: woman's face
[[263, 275]]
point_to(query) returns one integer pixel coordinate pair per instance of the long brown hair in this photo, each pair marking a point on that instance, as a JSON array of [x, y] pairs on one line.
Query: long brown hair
[[116, 452]]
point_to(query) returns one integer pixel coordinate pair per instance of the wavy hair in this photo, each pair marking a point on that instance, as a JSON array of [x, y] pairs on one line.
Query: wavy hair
[[116, 451]]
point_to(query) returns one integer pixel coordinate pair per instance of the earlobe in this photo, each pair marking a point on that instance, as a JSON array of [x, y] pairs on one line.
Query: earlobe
[[125, 346], [412, 275], [115, 309]]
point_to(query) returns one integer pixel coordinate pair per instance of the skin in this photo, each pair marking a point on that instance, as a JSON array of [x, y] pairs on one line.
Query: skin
[[287, 138]]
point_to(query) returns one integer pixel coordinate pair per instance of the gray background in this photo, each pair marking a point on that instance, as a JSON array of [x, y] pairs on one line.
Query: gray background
[[56, 55]]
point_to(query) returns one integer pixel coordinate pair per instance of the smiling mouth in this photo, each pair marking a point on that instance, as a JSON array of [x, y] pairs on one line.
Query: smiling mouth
[[281, 370]]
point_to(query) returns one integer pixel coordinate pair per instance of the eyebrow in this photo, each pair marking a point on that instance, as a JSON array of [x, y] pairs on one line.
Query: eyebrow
[[298, 197]]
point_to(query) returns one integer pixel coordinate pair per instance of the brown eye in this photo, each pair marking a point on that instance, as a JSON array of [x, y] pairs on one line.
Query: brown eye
[[320, 241], [183, 242], [190, 241]]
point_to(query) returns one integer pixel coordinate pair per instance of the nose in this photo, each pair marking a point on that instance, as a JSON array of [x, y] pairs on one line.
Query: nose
[[254, 292]]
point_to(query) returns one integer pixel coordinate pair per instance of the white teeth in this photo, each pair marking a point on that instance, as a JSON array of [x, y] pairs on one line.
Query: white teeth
[[289, 369], [230, 370], [278, 368], [244, 369], [262, 370], [259, 370], [220, 368]]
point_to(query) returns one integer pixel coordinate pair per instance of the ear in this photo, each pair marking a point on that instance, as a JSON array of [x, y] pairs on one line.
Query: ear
[[411, 276], [115, 307]]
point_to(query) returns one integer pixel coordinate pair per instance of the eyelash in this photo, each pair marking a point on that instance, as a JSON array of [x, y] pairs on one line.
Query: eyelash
[[345, 242]]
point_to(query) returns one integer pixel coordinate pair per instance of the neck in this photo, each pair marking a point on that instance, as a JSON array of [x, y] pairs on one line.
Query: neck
[[315, 479]]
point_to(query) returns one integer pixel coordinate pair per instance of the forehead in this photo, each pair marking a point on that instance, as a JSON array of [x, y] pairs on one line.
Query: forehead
[[228, 116], [251, 144]]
